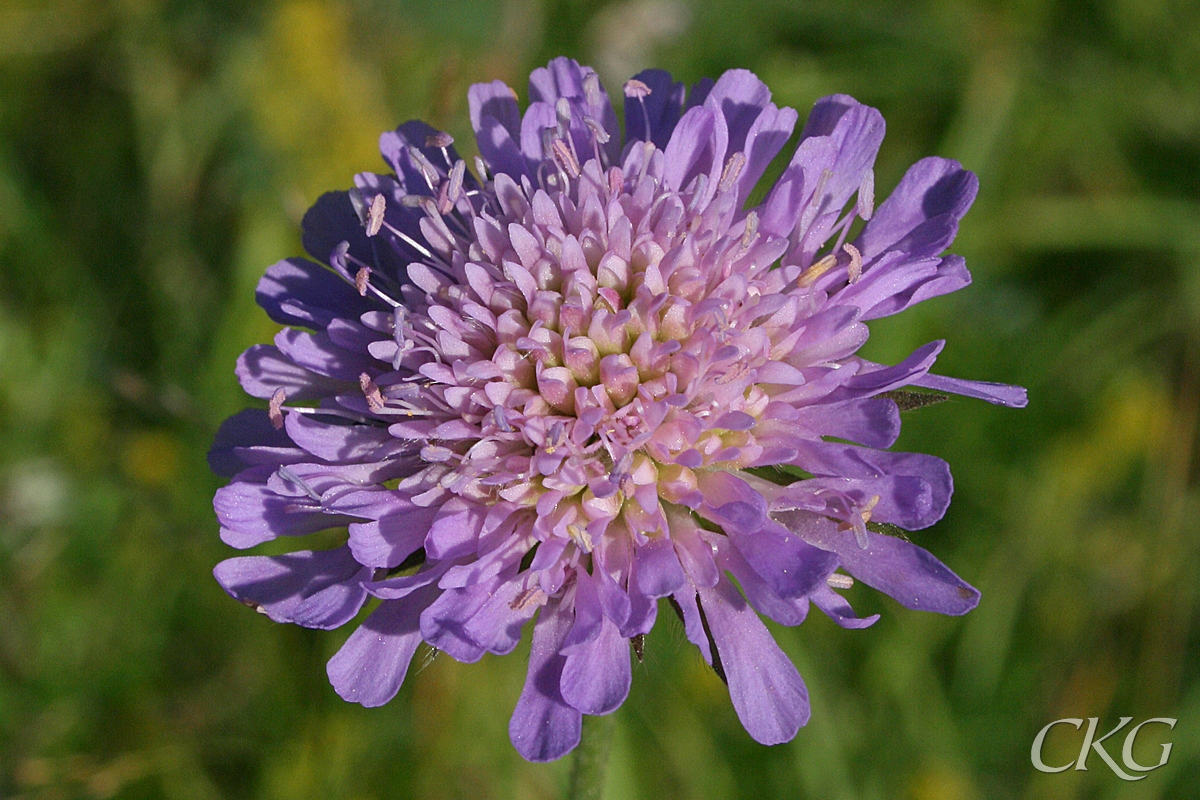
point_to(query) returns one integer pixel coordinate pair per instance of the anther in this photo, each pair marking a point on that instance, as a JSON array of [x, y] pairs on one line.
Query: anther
[[456, 180], [839, 581], [597, 129], [855, 268], [528, 598], [296, 480], [580, 537], [371, 391], [439, 139], [616, 180], [444, 204], [481, 169], [562, 111], [733, 169], [500, 415], [866, 195], [699, 189], [362, 279], [810, 275], [635, 88], [565, 158], [428, 171], [275, 408], [411, 200], [591, 90], [751, 229], [375, 215]]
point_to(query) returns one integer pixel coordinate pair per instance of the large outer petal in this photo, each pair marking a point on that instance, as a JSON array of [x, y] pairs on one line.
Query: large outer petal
[[316, 589], [544, 726], [767, 691], [371, 665]]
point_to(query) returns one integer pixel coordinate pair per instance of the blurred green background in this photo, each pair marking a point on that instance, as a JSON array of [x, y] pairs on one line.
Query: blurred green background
[[157, 155]]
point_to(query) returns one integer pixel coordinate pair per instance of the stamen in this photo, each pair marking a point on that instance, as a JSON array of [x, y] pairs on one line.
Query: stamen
[[839, 581], [371, 391], [296, 480], [699, 188], [456, 180], [562, 111], [597, 129], [751, 231], [500, 415], [616, 181], [810, 275], [275, 408], [591, 90], [565, 159], [439, 140], [866, 195], [528, 598], [361, 279], [375, 215], [444, 204], [481, 169], [855, 268], [428, 171], [733, 169], [635, 88], [580, 537]]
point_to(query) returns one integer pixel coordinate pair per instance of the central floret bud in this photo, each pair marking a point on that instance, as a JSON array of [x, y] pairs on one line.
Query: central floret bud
[[591, 343]]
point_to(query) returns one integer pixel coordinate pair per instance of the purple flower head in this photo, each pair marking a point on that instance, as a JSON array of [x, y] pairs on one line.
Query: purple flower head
[[584, 375]]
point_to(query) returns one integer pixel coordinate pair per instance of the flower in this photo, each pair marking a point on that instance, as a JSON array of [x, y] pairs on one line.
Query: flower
[[587, 375]]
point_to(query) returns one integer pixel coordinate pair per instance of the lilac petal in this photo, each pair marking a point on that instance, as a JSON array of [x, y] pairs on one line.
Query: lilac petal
[[538, 117], [296, 291], [331, 221], [904, 500], [897, 281], [596, 676], [741, 97], [838, 609], [315, 589], [444, 623], [793, 192], [874, 422], [687, 606], [496, 118], [895, 567], [250, 513], [840, 460], [248, 439], [656, 568], [543, 726], [589, 614], [767, 691], [455, 530], [697, 147], [1001, 394], [869, 382], [371, 665], [788, 564], [332, 439], [394, 145], [663, 106], [765, 600], [496, 627], [854, 132], [387, 541], [317, 353], [262, 369], [766, 138], [921, 216], [564, 77]]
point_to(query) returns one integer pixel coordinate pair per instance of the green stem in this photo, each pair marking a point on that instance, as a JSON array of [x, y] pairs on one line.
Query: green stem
[[591, 758]]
